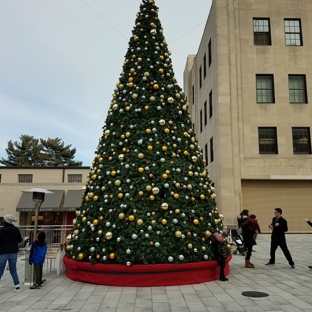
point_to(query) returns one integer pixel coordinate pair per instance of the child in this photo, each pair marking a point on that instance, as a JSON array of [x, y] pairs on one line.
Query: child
[[250, 227], [37, 255], [220, 254]]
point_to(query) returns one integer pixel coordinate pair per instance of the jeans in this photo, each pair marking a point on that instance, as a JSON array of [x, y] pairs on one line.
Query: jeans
[[12, 259]]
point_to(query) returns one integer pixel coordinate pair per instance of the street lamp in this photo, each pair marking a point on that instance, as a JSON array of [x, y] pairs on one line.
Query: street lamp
[[38, 198]]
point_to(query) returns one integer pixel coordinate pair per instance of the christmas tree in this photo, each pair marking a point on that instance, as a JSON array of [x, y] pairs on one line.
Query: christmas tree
[[148, 198]]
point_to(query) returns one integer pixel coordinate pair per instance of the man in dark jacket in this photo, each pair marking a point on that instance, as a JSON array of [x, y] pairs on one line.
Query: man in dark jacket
[[279, 227], [10, 236]]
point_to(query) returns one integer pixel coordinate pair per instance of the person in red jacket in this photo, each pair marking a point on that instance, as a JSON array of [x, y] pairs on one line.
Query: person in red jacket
[[250, 228]]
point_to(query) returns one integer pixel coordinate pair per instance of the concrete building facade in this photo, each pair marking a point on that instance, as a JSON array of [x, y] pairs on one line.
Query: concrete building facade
[[249, 89], [57, 209]]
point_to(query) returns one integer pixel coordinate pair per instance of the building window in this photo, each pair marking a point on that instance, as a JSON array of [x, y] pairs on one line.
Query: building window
[[193, 94], [205, 112], [297, 89], [200, 77], [205, 65], [25, 178], [267, 140], [262, 32], [293, 34], [206, 153], [265, 88], [201, 120], [74, 178], [193, 126], [211, 150], [210, 104], [209, 53], [301, 140], [0, 178]]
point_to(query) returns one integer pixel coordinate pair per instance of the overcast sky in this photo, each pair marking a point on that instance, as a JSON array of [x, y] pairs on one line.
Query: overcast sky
[[60, 61]]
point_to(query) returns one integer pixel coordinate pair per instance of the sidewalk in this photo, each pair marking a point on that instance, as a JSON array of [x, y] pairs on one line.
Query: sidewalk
[[288, 289]]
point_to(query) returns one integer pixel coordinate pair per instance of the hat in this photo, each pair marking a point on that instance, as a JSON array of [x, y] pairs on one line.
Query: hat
[[9, 218], [219, 237]]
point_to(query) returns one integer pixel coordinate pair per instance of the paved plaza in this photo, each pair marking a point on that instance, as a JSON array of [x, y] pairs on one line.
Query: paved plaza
[[289, 289]]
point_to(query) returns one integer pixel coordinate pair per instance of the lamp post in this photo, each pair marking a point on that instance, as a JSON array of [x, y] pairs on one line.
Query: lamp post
[[37, 197]]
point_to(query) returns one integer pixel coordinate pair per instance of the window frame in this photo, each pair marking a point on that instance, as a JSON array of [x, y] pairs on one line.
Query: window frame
[[302, 140], [201, 120], [205, 113], [206, 154], [205, 65], [267, 143], [210, 104], [304, 89], [77, 179], [25, 178], [200, 77], [289, 33], [209, 53], [272, 101], [262, 38], [211, 150], [193, 94]]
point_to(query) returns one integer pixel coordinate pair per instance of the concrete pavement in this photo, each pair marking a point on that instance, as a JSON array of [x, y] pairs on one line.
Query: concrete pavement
[[289, 289]]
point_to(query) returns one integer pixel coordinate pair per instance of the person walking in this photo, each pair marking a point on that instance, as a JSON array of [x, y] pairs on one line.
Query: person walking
[[279, 227], [37, 256], [310, 223], [250, 228], [10, 237]]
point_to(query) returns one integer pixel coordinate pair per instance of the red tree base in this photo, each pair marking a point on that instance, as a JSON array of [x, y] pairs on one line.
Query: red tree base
[[141, 275]]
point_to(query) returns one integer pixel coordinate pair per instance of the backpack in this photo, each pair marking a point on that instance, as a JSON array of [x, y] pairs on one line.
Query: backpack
[[39, 254]]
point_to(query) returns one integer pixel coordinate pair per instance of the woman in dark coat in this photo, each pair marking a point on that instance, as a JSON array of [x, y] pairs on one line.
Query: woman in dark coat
[[250, 227], [10, 236]]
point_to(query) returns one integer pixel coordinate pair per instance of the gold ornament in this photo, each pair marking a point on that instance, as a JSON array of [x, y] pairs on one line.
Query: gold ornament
[[177, 211], [108, 235], [139, 222], [152, 98], [170, 100], [178, 234], [103, 188], [141, 169], [148, 188], [78, 213], [141, 193], [68, 248], [121, 157], [95, 222], [162, 122], [189, 246], [100, 232], [213, 196], [148, 130], [131, 218], [189, 186], [164, 176], [80, 256], [202, 196], [195, 221], [146, 74], [204, 248], [155, 190], [140, 155], [176, 196], [194, 158], [163, 221], [216, 221], [150, 147], [120, 195], [84, 219], [121, 216], [152, 197], [117, 183], [208, 233], [95, 198], [164, 148], [76, 232], [156, 86], [164, 206], [112, 256]]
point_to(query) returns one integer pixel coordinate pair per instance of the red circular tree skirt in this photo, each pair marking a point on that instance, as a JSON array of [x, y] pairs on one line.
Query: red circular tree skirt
[[141, 275]]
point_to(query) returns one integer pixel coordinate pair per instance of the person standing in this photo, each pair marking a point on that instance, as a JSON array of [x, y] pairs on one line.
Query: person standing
[[10, 237], [250, 228], [279, 227], [37, 256], [220, 254], [241, 218]]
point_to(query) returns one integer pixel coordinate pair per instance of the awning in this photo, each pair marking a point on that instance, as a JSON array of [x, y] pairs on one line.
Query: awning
[[72, 200], [52, 202]]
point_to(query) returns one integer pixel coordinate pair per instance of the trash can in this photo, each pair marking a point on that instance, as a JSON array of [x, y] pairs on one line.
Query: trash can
[[28, 268]]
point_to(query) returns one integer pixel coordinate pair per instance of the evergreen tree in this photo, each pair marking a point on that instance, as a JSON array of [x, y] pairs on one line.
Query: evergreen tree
[[31, 152], [58, 154], [148, 197], [25, 153]]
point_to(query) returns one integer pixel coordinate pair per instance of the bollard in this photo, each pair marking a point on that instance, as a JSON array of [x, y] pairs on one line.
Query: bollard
[[28, 268]]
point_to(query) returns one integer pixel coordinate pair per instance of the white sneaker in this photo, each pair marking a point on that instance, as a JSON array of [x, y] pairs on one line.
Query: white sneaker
[[17, 288]]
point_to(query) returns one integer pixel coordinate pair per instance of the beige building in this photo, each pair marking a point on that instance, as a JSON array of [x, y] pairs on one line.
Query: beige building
[[56, 209], [248, 88]]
